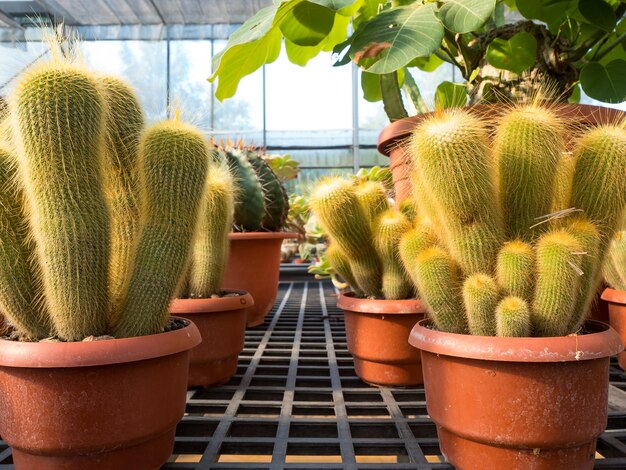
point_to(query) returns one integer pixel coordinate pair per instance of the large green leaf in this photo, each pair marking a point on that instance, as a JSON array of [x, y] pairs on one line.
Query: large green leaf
[[306, 24], [605, 82], [549, 11], [340, 6], [427, 64], [598, 13], [517, 54], [463, 16], [300, 55], [397, 36], [450, 95], [370, 84]]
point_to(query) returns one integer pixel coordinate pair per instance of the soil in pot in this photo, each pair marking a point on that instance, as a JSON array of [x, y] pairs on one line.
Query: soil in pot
[[94, 405], [222, 324], [377, 332], [517, 403], [616, 303], [254, 266]]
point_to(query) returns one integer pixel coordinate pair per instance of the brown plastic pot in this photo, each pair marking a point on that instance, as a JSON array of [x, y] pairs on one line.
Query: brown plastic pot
[[97, 405], [616, 300], [377, 332], [222, 325], [254, 266], [392, 140], [517, 403]]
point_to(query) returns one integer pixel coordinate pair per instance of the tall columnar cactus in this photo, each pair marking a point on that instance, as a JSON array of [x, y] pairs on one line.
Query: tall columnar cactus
[[341, 265], [339, 211], [480, 297], [615, 263], [528, 146], [276, 201], [373, 198], [563, 183], [249, 202], [388, 229], [60, 118], [124, 124], [513, 317], [210, 251], [20, 284], [175, 159], [450, 153], [515, 269]]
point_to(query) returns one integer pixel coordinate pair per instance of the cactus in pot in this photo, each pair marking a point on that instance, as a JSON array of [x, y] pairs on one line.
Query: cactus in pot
[[614, 268]]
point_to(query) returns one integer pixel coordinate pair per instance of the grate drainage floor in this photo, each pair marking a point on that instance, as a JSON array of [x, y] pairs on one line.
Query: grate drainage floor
[[296, 403]]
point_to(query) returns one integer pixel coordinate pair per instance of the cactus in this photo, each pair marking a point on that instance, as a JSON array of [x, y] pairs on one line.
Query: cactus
[[276, 201], [563, 183], [528, 146], [339, 211], [175, 158], [373, 199], [515, 269], [124, 124], [249, 202], [60, 117], [210, 252], [450, 155], [480, 297], [513, 317], [410, 209], [558, 281], [341, 265], [615, 263], [20, 284], [388, 229]]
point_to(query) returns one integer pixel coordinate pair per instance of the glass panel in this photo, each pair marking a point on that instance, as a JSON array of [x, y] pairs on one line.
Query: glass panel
[[15, 57]]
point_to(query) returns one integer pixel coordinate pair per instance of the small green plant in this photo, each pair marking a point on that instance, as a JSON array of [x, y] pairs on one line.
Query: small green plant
[[283, 166], [615, 263]]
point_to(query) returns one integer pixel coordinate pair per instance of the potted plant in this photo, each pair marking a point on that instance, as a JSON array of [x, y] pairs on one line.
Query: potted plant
[[615, 294], [261, 207], [98, 217], [381, 309], [220, 315], [513, 376]]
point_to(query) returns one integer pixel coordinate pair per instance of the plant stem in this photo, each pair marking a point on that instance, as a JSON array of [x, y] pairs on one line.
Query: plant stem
[[411, 89], [599, 55], [392, 97]]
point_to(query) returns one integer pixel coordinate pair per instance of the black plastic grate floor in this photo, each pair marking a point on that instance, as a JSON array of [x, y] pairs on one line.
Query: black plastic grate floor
[[296, 403]]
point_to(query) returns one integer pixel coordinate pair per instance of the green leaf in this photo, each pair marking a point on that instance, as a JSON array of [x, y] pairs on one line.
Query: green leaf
[[334, 5], [517, 54], [427, 64], [598, 13], [575, 96], [549, 11], [300, 55], [397, 36], [450, 95], [605, 83], [464, 16], [306, 24], [370, 84]]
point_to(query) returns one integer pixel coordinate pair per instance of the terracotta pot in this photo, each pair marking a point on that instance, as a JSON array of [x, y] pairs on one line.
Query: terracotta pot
[[222, 324], [96, 405], [517, 403], [254, 266], [616, 300], [377, 332], [392, 139]]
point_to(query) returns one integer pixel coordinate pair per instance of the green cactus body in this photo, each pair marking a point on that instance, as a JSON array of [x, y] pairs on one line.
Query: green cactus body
[[515, 269], [563, 183], [341, 265], [373, 199], [388, 229], [175, 159], [437, 279], [60, 115], [513, 318], [615, 262], [589, 238], [558, 281], [528, 146], [339, 211], [124, 124], [210, 252], [20, 286], [6, 134], [450, 152], [276, 201], [410, 208], [249, 202], [480, 297], [413, 243]]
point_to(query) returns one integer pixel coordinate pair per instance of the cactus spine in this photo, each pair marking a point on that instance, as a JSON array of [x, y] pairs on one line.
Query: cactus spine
[[210, 252], [480, 297], [563, 183], [249, 202], [515, 269], [373, 199], [615, 263], [528, 147], [513, 317], [124, 124], [339, 211], [389, 227], [276, 202], [341, 265], [175, 158], [60, 116]]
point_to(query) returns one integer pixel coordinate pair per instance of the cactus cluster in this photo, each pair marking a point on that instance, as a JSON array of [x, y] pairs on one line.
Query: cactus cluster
[[487, 254], [97, 213], [615, 263]]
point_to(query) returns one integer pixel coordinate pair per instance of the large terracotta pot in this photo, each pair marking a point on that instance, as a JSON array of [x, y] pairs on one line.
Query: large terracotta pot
[[254, 266], [616, 300], [222, 324], [99, 405], [377, 332], [392, 140], [517, 403]]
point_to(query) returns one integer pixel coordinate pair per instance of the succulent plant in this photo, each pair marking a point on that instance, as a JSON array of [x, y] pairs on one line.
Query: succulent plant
[[275, 199], [614, 268]]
